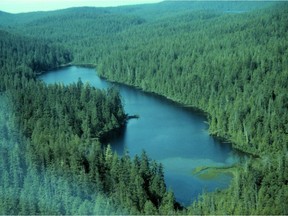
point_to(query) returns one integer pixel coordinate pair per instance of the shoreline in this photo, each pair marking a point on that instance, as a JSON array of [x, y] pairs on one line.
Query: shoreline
[[224, 139]]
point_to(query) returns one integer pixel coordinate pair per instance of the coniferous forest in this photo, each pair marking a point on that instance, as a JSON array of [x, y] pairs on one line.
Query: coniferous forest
[[229, 59]]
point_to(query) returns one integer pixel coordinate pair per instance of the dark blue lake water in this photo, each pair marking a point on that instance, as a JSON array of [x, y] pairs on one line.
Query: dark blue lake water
[[171, 134]]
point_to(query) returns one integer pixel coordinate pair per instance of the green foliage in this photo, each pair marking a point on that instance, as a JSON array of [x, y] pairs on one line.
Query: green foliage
[[51, 159], [18, 53], [232, 65], [259, 188], [201, 60]]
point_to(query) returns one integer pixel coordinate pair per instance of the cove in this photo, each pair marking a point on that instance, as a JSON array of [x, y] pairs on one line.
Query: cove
[[171, 134]]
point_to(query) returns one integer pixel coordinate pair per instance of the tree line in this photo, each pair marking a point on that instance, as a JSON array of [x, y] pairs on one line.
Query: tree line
[[52, 161], [232, 66]]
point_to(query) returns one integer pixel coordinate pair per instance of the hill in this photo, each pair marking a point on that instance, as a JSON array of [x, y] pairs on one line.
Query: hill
[[227, 58]]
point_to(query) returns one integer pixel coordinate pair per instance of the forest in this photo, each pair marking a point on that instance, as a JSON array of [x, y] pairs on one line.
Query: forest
[[229, 59]]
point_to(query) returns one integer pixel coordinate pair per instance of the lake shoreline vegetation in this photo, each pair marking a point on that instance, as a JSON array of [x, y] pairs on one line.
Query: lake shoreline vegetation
[[181, 104], [51, 159], [54, 132]]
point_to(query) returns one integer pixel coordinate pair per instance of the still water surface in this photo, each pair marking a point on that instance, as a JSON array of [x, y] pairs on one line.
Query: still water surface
[[173, 135]]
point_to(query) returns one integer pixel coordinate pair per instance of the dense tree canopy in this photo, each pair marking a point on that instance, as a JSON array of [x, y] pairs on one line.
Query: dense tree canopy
[[221, 67], [229, 59], [50, 142]]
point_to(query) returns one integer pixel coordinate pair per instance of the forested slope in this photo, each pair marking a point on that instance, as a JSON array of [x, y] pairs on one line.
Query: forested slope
[[224, 68], [235, 68], [51, 159], [228, 59]]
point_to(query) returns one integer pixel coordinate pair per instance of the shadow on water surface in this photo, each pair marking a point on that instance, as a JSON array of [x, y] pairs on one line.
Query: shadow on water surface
[[117, 138]]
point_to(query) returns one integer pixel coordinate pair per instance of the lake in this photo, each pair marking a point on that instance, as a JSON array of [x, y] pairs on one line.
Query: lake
[[171, 134]]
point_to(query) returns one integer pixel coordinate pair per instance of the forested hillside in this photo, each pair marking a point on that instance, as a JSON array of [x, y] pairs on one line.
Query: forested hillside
[[21, 57], [224, 68], [234, 70], [229, 59], [52, 161]]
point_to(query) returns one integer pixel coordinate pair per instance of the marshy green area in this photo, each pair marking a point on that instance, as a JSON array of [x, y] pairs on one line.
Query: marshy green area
[[209, 173]]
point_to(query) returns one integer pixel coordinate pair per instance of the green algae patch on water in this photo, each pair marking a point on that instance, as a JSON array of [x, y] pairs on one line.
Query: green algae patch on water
[[211, 173]]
